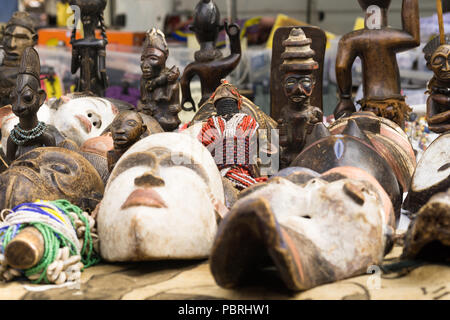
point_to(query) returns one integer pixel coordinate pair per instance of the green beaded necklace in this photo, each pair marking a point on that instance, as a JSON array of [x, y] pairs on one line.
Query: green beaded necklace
[[20, 136]]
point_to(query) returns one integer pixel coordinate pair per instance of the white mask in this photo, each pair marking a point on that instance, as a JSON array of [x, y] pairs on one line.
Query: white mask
[[314, 233], [154, 209], [83, 118]]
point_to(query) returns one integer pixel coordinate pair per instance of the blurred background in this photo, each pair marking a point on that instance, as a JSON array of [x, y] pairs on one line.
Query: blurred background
[[127, 21]]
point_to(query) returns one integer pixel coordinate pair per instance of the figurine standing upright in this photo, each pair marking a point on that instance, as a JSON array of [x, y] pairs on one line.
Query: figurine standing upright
[[89, 53], [28, 97], [209, 65], [298, 116], [19, 34], [437, 54], [377, 46], [160, 89]]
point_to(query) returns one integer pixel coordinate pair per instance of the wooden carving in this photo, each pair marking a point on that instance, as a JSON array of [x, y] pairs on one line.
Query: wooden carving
[[160, 90], [89, 53], [377, 46], [209, 65]]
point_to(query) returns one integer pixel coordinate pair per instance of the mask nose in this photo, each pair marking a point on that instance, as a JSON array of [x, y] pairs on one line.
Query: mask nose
[[149, 180]]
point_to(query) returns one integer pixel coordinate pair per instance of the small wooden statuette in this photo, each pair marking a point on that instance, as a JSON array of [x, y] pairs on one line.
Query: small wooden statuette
[[298, 116], [209, 64], [160, 89], [19, 34], [377, 46], [89, 53], [28, 97], [126, 129], [437, 54]]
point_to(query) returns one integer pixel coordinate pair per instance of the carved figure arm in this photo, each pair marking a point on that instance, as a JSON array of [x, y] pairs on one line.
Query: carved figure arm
[[434, 116], [185, 82], [75, 60], [344, 62], [102, 68], [409, 37]]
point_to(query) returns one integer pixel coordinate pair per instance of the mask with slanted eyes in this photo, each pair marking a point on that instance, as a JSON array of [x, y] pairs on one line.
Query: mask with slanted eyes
[[298, 88], [51, 174], [164, 187], [282, 224]]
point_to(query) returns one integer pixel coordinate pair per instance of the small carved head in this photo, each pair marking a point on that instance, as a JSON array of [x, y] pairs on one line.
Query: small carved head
[[126, 129], [155, 53], [28, 96], [226, 99], [19, 34], [440, 63]]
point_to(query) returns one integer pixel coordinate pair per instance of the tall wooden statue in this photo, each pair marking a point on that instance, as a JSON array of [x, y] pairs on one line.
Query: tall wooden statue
[[89, 53], [297, 116], [209, 64], [377, 46], [160, 89], [19, 34], [437, 54]]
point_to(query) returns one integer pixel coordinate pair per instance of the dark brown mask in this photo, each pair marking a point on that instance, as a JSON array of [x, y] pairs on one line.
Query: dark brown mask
[[49, 174]]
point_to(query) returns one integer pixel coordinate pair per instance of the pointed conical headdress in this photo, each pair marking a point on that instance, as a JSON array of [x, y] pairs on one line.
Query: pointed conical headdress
[[30, 64], [298, 55], [155, 39]]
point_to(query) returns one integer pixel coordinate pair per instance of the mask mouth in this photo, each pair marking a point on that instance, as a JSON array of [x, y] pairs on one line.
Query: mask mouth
[[298, 98], [85, 123], [146, 197]]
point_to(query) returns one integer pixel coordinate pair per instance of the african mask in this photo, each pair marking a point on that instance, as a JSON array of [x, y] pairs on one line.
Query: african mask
[[81, 118], [281, 224], [27, 98], [432, 174], [145, 214], [51, 173], [19, 34]]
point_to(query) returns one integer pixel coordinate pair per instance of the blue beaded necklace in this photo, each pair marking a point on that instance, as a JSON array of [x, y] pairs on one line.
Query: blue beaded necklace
[[20, 136]]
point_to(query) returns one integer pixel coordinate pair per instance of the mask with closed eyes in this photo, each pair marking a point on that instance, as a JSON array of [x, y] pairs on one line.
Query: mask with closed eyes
[[312, 230], [161, 201], [51, 173]]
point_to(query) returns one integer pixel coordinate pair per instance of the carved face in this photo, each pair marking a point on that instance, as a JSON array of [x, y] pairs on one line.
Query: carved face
[[146, 212], [227, 107], [383, 4], [298, 88], [83, 118], [16, 39], [50, 174], [27, 96], [126, 129], [152, 62], [440, 63]]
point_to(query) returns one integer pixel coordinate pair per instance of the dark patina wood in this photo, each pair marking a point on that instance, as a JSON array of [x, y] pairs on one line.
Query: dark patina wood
[[377, 46]]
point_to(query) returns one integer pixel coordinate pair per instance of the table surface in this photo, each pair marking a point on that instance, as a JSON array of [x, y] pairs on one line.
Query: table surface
[[187, 280]]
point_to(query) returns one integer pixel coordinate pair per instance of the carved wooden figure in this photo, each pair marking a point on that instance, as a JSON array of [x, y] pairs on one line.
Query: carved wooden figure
[[298, 116], [28, 97], [209, 65], [19, 34], [89, 53], [160, 90], [126, 129], [377, 46], [437, 54]]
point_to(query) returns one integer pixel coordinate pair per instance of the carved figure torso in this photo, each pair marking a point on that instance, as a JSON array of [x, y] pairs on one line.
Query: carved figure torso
[[160, 98]]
